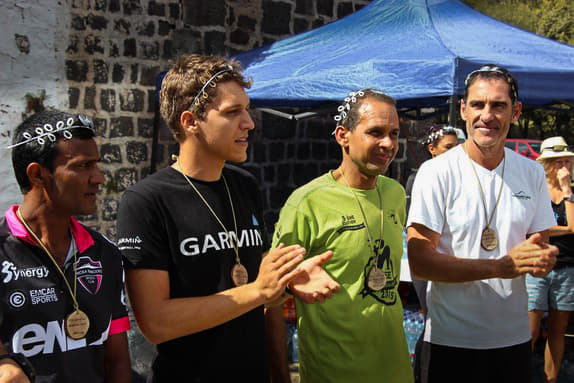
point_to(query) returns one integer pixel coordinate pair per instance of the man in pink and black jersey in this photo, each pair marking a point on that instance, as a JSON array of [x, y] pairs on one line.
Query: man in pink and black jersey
[[63, 316]]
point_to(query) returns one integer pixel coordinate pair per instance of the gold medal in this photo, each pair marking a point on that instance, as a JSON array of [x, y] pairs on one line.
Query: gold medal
[[239, 274], [77, 324], [376, 279], [488, 240]]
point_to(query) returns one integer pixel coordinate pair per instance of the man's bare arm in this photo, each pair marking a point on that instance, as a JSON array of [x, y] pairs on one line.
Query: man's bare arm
[[117, 364], [10, 371], [161, 319], [532, 256]]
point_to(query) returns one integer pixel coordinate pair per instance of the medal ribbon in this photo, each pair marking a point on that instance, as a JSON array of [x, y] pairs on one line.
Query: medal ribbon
[[371, 244], [488, 221], [72, 292], [235, 246]]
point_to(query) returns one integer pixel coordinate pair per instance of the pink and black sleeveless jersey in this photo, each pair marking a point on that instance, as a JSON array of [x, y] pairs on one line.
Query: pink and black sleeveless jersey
[[35, 301]]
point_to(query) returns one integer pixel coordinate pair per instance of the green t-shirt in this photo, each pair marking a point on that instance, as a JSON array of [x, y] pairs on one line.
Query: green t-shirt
[[357, 335]]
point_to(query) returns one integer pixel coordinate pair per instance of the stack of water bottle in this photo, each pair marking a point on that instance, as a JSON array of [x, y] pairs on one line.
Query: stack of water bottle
[[413, 322]]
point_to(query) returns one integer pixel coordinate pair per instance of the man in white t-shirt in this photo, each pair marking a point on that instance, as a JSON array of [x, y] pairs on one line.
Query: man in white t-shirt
[[477, 224]]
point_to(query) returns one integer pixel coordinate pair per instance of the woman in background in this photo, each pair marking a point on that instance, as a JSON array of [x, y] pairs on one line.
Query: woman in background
[[439, 139], [553, 293]]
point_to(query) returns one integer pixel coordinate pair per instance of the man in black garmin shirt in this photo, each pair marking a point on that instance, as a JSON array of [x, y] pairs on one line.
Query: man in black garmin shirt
[[62, 307], [193, 236]]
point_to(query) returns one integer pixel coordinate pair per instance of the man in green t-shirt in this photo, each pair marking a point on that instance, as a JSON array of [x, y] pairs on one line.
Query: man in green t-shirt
[[359, 215]]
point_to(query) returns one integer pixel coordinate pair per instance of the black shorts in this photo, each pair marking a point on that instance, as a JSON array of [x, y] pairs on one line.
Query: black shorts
[[446, 364]]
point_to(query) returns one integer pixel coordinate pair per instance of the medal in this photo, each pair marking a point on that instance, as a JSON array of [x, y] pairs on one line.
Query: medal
[[239, 274], [376, 279], [77, 324], [488, 240]]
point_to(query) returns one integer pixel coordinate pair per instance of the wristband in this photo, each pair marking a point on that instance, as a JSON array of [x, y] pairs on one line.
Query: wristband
[[24, 364]]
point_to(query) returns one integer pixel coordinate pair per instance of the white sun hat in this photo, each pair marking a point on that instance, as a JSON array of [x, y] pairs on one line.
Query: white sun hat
[[554, 147]]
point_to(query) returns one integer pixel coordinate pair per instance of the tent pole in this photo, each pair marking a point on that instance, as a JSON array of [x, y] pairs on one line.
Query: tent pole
[[452, 109]]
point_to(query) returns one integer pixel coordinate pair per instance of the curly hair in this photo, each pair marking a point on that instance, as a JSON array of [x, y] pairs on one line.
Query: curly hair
[[185, 80]]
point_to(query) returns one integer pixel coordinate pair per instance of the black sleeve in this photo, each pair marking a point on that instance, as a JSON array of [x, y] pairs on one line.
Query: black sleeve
[[141, 237]]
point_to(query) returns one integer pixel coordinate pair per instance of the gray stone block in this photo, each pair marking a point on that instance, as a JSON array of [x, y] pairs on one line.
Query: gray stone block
[[136, 152], [110, 209], [76, 70], [132, 100], [155, 9], [73, 97], [110, 154], [100, 72], [90, 97], [121, 127], [108, 100], [203, 13], [93, 44], [125, 177], [276, 17]]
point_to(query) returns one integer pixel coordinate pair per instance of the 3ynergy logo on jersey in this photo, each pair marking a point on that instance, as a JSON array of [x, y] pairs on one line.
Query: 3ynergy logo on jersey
[[12, 273], [221, 241], [89, 273], [33, 339]]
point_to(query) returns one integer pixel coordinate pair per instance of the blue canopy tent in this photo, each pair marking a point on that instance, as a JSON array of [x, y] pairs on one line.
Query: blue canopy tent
[[418, 51]]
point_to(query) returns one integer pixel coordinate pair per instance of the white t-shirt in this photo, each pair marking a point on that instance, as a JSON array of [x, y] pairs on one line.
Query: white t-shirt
[[446, 198]]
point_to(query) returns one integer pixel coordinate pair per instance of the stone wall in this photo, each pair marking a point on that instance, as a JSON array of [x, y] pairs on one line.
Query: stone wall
[[117, 47], [102, 60]]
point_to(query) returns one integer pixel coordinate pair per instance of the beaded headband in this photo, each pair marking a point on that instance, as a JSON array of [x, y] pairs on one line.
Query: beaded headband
[[435, 135], [201, 93], [48, 131], [346, 105], [496, 69]]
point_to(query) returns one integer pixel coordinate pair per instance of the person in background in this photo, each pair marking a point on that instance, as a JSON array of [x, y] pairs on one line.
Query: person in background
[[439, 139], [63, 309], [554, 292]]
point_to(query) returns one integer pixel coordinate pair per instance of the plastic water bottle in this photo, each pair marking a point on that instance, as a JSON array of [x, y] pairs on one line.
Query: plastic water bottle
[[295, 355]]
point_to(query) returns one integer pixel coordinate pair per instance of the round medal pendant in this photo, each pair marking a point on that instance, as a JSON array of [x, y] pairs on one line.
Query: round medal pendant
[[77, 324], [376, 279], [239, 274], [488, 241]]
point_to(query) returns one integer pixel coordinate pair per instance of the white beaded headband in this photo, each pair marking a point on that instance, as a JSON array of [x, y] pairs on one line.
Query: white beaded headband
[[437, 134], [345, 107], [47, 131], [201, 93]]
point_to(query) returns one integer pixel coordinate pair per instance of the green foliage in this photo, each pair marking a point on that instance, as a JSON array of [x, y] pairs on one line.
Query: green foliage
[[556, 20], [550, 18]]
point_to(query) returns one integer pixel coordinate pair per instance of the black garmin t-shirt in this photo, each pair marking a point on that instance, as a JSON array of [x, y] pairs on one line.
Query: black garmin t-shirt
[[163, 224], [564, 243]]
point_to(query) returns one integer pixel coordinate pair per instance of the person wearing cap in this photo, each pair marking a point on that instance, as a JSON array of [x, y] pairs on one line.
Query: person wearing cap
[[478, 223], [63, 314], [193, 236], [359, 214], [553, 293]]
